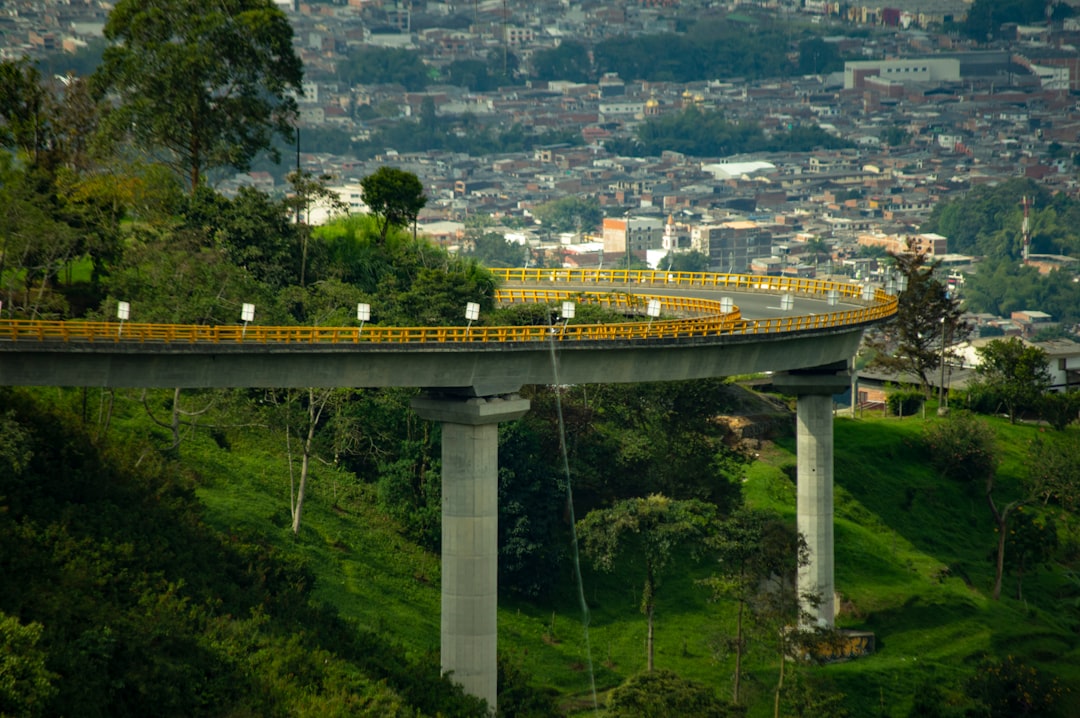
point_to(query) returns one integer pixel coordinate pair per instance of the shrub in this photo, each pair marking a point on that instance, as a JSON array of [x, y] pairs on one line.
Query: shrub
[[904, 402], [961, 447]]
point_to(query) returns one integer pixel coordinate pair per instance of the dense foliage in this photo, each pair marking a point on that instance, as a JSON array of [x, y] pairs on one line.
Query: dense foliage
[[705, 133], [116, 598]]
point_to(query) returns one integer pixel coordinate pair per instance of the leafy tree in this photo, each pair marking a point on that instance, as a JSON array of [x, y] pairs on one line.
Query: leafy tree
[[753, 548], [471, 74], [1054, 471], [570, 214], [1060, 409], [371, 65], [1009, 688], [985, 17], [665, 440], [987, 219], [308, 190], [227, 68], [694, 261], [253, 231], [1013, 371], [569, 61], [24, 108], [962, 447], [1032, 541], [394, 196], [895, 136], [494, 250], [35, 244], [927, 318], [26, 684], [665, 694], [532, 499], [816, 56], [651, 530]]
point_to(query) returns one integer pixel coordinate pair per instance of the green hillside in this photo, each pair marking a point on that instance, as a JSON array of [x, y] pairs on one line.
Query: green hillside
[[912, 555]]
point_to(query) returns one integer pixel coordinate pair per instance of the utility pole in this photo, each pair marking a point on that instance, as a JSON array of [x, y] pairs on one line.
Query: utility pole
[[943, 396]]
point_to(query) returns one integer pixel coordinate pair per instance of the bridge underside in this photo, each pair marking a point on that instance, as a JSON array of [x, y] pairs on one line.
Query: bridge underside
[[480, 370]]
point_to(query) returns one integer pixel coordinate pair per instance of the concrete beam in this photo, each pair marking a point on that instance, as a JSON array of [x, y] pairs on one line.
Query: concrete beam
[[470, 533]]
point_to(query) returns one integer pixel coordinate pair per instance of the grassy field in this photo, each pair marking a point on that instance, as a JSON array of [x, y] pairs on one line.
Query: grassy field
[[912, 565]]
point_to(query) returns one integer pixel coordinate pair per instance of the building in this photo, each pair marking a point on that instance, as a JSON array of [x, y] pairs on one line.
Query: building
[[933, 70], [732, 246], [632, 236]]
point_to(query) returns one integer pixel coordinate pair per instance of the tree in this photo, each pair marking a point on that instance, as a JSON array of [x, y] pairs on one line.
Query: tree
[[1013, 371], [570, 214], [1033, 538], [816, 56], [307, 189], [569, 61], [394, 196], [652, 530], [927, 318], [26, 684], [227, 68], [23, 107], [752, 548], [694, 261], [370, 65], [663, 694]]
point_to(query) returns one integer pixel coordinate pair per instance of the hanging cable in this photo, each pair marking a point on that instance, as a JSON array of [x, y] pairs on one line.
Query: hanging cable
[[556, 389]]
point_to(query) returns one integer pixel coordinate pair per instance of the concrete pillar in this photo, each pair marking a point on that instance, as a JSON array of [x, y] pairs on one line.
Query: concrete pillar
[[470, 523], [814, 502]]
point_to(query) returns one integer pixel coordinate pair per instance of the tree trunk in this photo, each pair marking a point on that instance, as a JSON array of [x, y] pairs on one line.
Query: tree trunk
[[780, 680], [738, 654], [174, 424], [305, 462], [315, 408], [649, 638]]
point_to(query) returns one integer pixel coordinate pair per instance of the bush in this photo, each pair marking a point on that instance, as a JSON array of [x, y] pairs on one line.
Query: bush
[[961, 447], [664, 693], [905, 402]]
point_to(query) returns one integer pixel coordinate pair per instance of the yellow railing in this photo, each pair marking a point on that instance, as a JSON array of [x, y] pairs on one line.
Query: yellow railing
[[697, 317], [656, 277]]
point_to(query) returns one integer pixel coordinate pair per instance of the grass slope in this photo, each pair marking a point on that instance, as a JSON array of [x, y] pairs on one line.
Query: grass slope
[[911, 554]]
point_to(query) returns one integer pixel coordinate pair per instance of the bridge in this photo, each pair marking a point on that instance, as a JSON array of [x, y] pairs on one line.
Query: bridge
[[700, 325]]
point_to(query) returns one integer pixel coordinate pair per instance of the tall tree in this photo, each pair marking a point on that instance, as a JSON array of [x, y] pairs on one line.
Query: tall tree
[[753, 548], [202, 83], [23, 107], [394, 196], [1014, 372], [927, 319], [651, 530]]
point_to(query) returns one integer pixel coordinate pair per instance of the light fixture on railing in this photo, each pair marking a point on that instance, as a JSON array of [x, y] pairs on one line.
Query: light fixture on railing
[[123, 311], [247, 314]]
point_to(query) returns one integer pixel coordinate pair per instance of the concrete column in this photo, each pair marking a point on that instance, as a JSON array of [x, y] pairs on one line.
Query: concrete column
[[470, 523], [814, 503]]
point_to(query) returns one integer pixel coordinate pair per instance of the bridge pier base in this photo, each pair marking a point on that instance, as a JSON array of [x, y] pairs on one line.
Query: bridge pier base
[[814, 389], [470, 522]]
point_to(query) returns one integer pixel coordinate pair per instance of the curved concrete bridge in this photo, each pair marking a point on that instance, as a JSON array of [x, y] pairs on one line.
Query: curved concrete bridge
[[709, 325]]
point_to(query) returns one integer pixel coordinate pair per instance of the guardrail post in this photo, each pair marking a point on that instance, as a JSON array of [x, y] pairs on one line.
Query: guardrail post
[[814, 389], [470, 523]]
